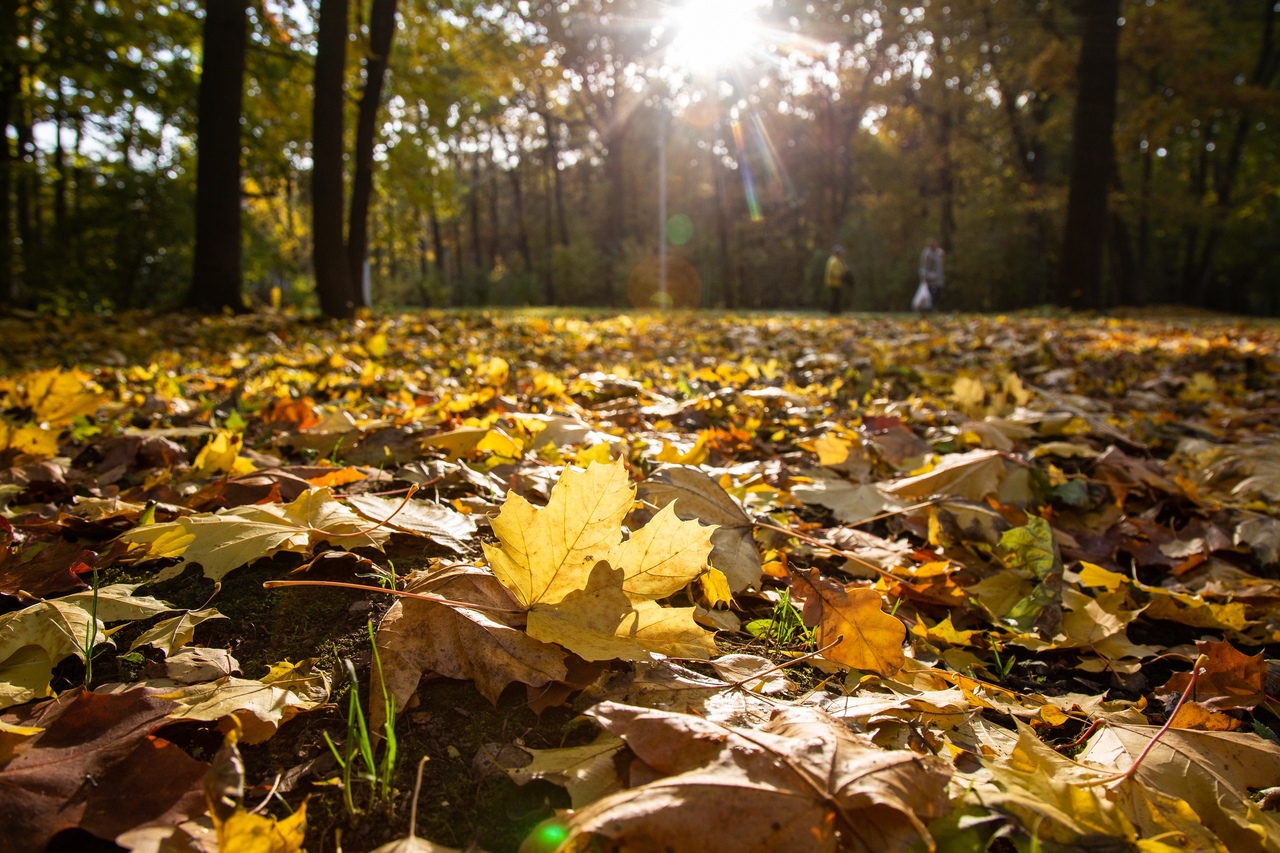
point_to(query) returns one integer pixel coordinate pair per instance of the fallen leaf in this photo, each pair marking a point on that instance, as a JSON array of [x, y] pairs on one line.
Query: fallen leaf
[[868, 638], [559, 564], [852, 503], [587, 772], [420, 518], [169, 635], [243, 832], [1228, 678], [697, 496], [1211, 771], [802, 783], [261, 706], [972, 475], [485, 644], [98, 767], [224, 541]]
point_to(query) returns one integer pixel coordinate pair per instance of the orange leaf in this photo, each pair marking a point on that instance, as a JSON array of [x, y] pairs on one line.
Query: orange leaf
[[1230, 679], [870, 639], [337, 477]]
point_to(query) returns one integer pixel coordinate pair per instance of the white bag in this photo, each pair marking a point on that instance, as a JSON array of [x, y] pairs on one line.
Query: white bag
[[923, 300]]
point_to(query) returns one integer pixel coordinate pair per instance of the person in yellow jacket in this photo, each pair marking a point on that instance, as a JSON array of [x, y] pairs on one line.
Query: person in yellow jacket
[[838, 275]]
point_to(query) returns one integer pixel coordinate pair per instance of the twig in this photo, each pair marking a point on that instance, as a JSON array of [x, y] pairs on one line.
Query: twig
[[437, 599], [417, 788], [412, 490], [760, 675]]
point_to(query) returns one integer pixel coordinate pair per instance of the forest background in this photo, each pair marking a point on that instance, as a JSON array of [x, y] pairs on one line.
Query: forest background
[[601, 152]]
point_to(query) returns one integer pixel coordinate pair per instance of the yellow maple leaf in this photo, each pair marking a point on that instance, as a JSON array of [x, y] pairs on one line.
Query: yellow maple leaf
[[250, 833], [222, 456], [585, 587]]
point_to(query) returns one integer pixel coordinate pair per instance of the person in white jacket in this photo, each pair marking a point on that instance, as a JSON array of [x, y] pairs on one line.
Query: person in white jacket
[[931, 267]]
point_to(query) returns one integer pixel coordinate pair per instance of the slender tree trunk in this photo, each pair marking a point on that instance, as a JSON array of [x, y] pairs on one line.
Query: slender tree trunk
[[8, 92], [1264, 74], [946, 179], [22, 198], [522, 229], [473, 211], [382, 26], [1142, 272], [59, 163], [495, 223], [217, 279], [548, 269], [727, 284], [1092, 155], [615, 207], [334, 283]]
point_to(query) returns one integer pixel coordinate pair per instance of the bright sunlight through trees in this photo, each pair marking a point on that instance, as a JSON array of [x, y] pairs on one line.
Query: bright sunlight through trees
[[712, 34]]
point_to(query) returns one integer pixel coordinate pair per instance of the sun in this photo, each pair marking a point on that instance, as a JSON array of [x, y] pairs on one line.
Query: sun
[[711, 34]]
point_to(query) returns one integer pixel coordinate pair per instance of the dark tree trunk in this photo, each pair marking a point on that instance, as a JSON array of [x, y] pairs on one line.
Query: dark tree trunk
[[615, 207], [946, 179], [1264, 74], [1092, 147], [334, 283], [382, 26], [727, 284], [8, 91], [1142, 271], [59, 163], [217, 280], [26, 187], [548, 269], [522, 230], [473, 211]]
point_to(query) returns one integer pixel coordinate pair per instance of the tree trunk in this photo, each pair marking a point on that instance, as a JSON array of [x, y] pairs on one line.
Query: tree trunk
[[1092, 155], [8, 91], [217, 280], [1142, 272], [615, 206], [334, 283], [382, 26], [728, 287], [1264, 73], [522, 230]]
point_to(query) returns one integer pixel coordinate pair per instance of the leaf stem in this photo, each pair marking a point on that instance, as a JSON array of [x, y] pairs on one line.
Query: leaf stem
[[437, 599], [760, 675], [1182, 700]]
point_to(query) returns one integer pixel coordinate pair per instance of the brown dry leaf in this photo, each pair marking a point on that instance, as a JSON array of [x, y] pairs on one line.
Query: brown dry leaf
[[852, 503], [96, 766], [972, 475], [420, 518], [485, 644], [1211, 771], [804, 782], [697, 496], [1229, 679], [871, 639]]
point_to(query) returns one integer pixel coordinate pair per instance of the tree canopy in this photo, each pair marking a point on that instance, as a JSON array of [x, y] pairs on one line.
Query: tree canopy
[[640, 153]]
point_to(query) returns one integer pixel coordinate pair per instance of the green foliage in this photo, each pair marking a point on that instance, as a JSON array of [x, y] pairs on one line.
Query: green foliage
[[518, 155]]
